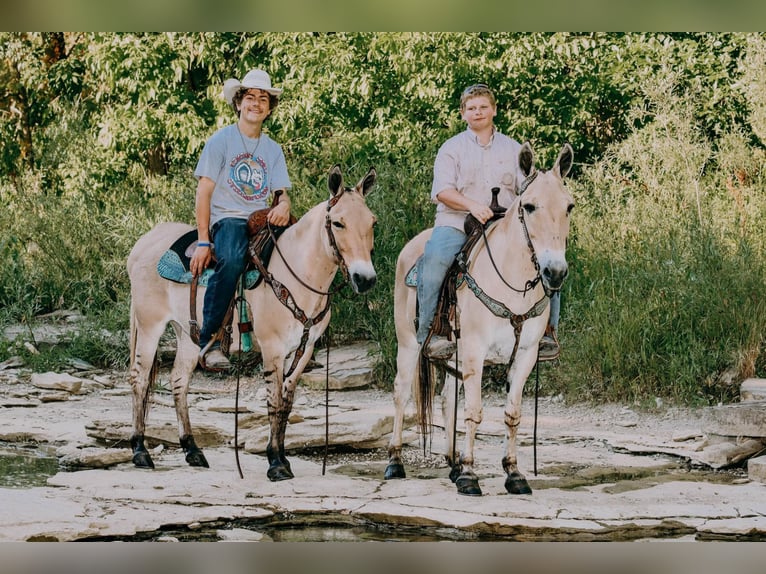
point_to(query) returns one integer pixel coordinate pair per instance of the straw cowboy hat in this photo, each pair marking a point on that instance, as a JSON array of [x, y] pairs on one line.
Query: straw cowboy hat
[[253, 79]]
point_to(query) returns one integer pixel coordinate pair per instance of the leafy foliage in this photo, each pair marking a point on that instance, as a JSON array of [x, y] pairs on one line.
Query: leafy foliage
[[100, 132]]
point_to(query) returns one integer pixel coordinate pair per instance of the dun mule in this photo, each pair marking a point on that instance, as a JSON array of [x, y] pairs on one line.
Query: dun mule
[[502, 310], [287, 319]]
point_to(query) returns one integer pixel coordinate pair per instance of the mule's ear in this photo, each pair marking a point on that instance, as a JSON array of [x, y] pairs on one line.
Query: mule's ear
[[526, 159], [564, 161], [365, 184], [335, 180]]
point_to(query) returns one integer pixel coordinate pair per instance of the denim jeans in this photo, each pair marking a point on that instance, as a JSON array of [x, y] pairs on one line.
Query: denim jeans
[[440, 251], [553, 320], [231, 242]]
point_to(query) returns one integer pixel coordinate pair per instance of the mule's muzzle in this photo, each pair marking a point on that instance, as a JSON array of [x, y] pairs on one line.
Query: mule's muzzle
[[554, 275], [361, 282]]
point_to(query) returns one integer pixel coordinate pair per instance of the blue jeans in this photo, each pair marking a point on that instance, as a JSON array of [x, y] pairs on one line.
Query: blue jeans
[[553, 320], [439, 253], [231, 242]]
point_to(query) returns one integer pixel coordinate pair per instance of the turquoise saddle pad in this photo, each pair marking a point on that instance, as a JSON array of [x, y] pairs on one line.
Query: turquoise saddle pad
[[174, 264], [411, 279]]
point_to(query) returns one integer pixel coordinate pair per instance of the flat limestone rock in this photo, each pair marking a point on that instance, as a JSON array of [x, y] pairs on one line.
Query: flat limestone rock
[[57, 381], [117, 432], [753, 390], [350, 367], [738, 419], [358, 429], [95, 457]]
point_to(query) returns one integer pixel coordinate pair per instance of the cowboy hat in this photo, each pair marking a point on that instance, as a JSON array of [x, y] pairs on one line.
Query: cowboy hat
[[255, 79]]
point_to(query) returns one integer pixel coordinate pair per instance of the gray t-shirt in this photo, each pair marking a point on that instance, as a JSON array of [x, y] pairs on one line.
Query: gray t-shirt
[[245, 171], [472, 169]]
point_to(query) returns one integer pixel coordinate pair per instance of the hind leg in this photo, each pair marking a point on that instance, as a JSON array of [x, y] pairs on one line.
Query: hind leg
[[145, 339], [406, 370], [186, 359], [449, 416]]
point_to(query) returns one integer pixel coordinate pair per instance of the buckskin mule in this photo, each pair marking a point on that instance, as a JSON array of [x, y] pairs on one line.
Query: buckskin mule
[[337, 233], [502, 307]]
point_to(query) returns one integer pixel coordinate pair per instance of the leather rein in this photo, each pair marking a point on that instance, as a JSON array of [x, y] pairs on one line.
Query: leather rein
[[498, 308], [283, 294]]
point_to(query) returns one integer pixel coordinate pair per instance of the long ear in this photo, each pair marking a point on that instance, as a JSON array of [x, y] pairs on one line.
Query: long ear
[[335, 180], [365, 184], [564, 161], [526, 159]]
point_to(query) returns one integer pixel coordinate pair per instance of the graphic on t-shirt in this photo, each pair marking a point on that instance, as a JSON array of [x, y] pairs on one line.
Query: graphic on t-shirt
[[248, 177]]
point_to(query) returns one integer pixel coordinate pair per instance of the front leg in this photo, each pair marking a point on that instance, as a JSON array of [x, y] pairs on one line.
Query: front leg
[[279, 468], [515, 482], [467, 482]]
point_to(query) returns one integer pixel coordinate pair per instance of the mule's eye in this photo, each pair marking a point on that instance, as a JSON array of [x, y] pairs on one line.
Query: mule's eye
[[570, 207], [338, 225], [529, 207]]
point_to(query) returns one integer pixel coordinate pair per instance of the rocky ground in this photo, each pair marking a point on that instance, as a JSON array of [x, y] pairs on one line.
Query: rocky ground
[[604, 472]]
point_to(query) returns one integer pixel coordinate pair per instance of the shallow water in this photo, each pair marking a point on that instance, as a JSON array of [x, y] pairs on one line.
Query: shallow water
[[26, 466]]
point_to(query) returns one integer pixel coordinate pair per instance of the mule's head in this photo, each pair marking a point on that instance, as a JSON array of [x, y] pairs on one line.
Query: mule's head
[[350, 225], [544, 207]]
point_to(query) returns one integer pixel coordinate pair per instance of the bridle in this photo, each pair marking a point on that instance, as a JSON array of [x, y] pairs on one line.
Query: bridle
[[283, 294], [532, 283], [498, 308]]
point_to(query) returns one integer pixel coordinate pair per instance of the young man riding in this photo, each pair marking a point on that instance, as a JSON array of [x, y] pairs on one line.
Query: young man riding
[[239, 171]]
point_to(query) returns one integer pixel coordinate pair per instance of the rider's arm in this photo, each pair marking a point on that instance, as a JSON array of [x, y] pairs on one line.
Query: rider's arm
[[203, 253]]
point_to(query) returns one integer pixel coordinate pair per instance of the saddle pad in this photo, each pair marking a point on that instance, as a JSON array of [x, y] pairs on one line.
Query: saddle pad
[[174, 264], [411, 279]]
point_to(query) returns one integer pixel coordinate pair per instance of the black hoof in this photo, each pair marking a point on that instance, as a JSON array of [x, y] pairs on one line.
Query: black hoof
[[394, 470], [279, 472], [196, 458], [455, 472], [142, 459], [468, 485], [515, 483]]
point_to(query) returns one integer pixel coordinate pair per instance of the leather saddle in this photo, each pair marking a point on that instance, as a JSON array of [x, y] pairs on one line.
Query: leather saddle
[[445, 307], [261, 246]]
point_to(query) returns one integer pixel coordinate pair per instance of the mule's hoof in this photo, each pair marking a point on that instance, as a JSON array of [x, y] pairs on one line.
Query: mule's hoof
[[515, 483], [455, 472], [142, 459], [279, 472], [196, 458], [468, 485], [394, 470]]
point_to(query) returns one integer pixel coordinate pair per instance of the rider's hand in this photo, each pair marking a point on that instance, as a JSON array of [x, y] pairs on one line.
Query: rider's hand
[[200, 259], [481, 212], [280, 214]]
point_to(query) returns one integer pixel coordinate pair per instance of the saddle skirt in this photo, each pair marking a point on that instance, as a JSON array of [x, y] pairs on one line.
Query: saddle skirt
[[174, 263]]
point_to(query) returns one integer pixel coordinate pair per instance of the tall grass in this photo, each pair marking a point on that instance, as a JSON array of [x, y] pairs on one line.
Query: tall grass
[[668, 264]]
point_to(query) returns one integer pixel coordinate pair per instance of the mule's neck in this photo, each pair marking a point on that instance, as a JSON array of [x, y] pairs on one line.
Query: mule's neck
[[306, 248], [512, 254]]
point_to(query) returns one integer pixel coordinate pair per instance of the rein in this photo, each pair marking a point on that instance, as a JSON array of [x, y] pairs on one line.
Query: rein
[[499, 309], [286, 298]]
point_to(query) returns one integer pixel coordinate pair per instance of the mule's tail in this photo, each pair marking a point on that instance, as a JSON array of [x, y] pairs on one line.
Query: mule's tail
[[423, 391]]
